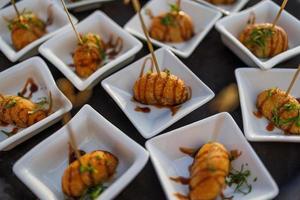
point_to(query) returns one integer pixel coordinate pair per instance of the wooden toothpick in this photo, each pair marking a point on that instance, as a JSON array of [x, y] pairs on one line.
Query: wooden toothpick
[[279, 13], [72, 139], [13, 2], [73, 26], [137, 7], [178, 3], [293, 81]]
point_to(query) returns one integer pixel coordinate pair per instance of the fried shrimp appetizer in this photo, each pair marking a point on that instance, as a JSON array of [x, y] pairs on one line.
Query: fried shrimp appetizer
[[97, 167], [174, 26], [88, 55], [264, 40], [22, 112], [162, 89], [283, 110], [93, 52], [225, 2], [25, 29], [208, 172]]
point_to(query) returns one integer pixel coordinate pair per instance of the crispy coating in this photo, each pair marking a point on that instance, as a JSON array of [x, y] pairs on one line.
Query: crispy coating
[[26, 29], [281, 109], [172, 27], [263, 40], [208, 172], [102, 166], [163, 90], [225, 2], [20, 111], [88, 56]]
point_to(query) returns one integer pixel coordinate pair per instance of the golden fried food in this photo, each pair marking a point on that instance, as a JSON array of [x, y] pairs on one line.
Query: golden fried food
[[281, 109], [263, 40], [21, 111], [97, 167], [208, 172], [172, 27], [89, 55], [225, 2], [164, 89], [26, 29]]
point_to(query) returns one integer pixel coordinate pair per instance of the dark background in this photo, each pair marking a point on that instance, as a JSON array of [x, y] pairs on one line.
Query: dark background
[[214, 64]]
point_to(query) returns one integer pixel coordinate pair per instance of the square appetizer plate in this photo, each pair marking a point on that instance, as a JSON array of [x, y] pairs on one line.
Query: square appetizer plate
[[230, 8], [58, 50], [13, 80], [203, 18], [42, 168], [120, 87], [169, 161], [230, 27], [251, 82], [79, 3], [43, 9]]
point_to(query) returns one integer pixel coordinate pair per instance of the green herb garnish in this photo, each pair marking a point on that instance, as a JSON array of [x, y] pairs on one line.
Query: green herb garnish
[[93, 193], [88, 169], [10, 104], [259, 36], [239, 179], [168, 20]]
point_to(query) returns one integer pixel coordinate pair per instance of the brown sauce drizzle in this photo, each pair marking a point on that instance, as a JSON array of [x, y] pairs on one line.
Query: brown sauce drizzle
[[181, 196], [33, 87], [188, 151], [258, 114], [270, 126], [142, 109], [181, 180]]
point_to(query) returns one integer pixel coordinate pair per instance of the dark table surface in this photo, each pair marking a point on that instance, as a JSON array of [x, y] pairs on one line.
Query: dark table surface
[[214, 64]]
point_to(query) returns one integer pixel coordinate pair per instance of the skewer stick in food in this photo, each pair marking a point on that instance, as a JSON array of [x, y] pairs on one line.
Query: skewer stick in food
[[293, 81], [279, 13], [72, 139], [73, 26], [137, 7], [13, 2], [178, 3]]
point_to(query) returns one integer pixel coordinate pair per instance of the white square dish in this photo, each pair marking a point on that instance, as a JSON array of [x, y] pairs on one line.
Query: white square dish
[[60, 22], [232, 8], [42, 167], [12, 81], [169, 161], [59, 48], [120, 87], [203, 17], [80, 3], [251, 82], [230, 27]]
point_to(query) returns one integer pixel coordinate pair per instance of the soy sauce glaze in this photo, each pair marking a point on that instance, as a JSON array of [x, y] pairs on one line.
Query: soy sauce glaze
[[142, 109], [33, 87]]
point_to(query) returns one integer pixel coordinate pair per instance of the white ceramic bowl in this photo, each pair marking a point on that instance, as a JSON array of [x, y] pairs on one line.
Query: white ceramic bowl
[[251, 82], [169, 161], [230, 27], [203, 17], [60, 22], [80, 3], [120, 87], [42, 167], [13, 80], [58, 49], [232, 8]]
